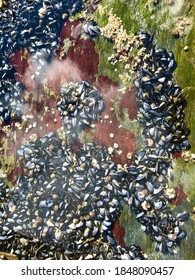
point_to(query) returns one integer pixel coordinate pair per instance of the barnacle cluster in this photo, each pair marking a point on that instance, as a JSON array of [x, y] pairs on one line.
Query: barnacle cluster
[[128, 49]]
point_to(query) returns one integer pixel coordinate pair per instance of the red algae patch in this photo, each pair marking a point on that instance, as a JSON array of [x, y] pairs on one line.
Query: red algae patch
[[180, 196], [109, 131], [128, 101], [119, 233]]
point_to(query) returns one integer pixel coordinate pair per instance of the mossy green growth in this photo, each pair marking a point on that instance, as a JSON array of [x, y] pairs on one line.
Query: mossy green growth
[[136, 15], [86, 136], [105, 49], [184, 174], [131, 225], [185, 71], [189, 95]]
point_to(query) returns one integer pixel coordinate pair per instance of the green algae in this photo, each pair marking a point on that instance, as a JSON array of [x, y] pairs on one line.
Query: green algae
[[189, 95], [184, 174], [185, 71], [131, 225], [86, 136], [105, 49]]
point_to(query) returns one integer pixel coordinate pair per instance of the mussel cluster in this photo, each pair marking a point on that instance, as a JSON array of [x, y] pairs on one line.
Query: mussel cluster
[[80, 104], [91, 29], [3, 194], [30, 25], [161, 113], [70, 200]]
